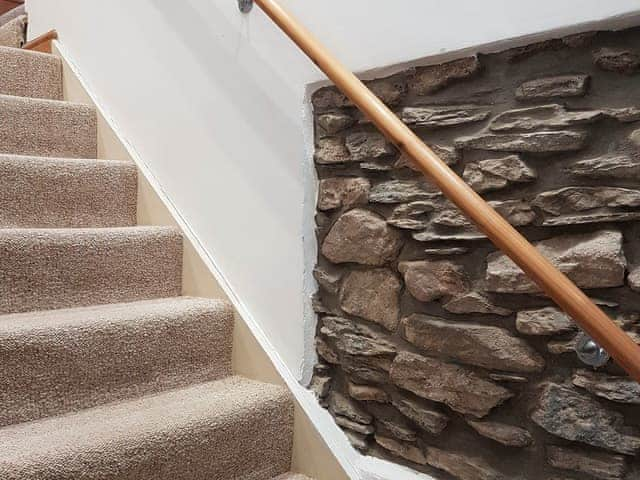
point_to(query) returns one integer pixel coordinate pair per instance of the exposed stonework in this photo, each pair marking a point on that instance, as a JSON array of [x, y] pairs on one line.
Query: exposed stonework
[[331, 150], [597, 464], [553, 87], [544, 321], [542, 117], [342, 192], [507, 435], [618, 166], [617, 60], [474, 302], [614, 388], [367, 393], [447, 154], [399, 191], [429, 419], [334, 122], [464, 467], [534, 142], [428, 280], [430, 79], [443, 116], [497, 173], [402, 449], [367, 146]]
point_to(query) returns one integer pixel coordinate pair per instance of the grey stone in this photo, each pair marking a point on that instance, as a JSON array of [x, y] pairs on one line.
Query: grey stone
[[597, 464], [508, 378], [366, 369], [330, 151], [395, 426], [428, 280], [497, 173], [402, 191], [451, 218], [507, 435], [624, 114], [616, 389], [520, 53], [367, 146], [354, 426], [517, 212], [384, 165], [446, 251], [568, 414], [430, 79], [633, 279], [326, 352], [361, 236], [474, 302], [334, 122], [618, 166], [558, 347], [341, 192], [320, 385], [402, 449], [474, 344], [443, 116], [617, 60], [544, 321], [556, 86], [459, 388], [329, 98], [542, 117], [635, 137], [425, 417], [432, 234], [367, 393], [358, 441], [449, 155], [390, 90], [318, 305], [328, 279], [591, 260], [372, 295], [343, 406], [411, 216], [530, 142], [356, 339], [462, 466], [591, 217], [578, 40]]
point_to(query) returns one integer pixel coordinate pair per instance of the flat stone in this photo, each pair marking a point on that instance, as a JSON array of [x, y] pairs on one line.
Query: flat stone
[[402, 191], [551, 87], [367, 393], [558, 347], [320, 385], [343, 406], [389, 423], [529, 142], [358, 441], [474, 302], [367, 146], [591, 260], [507, 435], [591, 217], [474, 344], [334, 122], [425, 417], [402, 449], [318, 305], [390, 90], [462, 466], [544, 321], [354, 426], [342, 192], [542, 117], [457, 387], [428, 280], [497, 173], [446, 251], [617, 166], [330, 151], [633, 279], [635, 137], [568, 414], [517, 212], [432, 234], [597, 464], [451, 218], [372, 295], [508, 378], [329, 98], [617, 60], [412, 215], [432, 78], [624, 114], [366, 369], [361, 236], [356, 339], [611, 387], [443, 116], [578, 40], [328, 279], [326, 352], [449, 155], [521, 53], [384, 165]]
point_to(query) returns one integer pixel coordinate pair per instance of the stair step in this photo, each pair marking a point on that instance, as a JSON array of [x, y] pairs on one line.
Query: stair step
[[25, 73], [11, 14], [47, 128], [60, 268], [13, 32], [59, 361], [42, 192], [228, 429]]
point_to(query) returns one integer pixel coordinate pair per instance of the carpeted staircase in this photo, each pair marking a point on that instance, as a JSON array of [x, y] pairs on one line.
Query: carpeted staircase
[[106, 372]]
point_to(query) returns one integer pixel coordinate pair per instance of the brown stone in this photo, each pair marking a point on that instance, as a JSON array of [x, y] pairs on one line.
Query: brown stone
[[412, 215], [508, 378], [326, 352], [517, 212], [507, 435], [474, 344], [430, 79], [339, 192], [334, 122], [591, 260], [331, 150], [428, 280], [402, 449], [446, 251], [390, 90], [329, 279], [497, 173], [320, 385], [402, 191], [633, 279], [616, 166], [617, 60], [624, 114], [551, 87], [433, 234], [358, 440], [425, 417], [558, 347], [353, 338], [530, 142], [542, 117], [366, 369], [521, 53], [611, 387], [597, 464], [448, 155], [390, 423], [367, 146], [443, 116], [544, 321], [329, 98], [367, 393], [372, 295], [457, 387], [462, 466], [451, 218], [474, 302], [354, 426], [578, 40], [343, 406], [569, 414], [361, 236]]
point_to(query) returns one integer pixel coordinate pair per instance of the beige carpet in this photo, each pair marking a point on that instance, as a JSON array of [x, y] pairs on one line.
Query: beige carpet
[[106, 372], [14, 32]]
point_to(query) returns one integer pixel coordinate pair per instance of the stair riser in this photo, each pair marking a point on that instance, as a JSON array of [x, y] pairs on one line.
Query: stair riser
[[30, 74]]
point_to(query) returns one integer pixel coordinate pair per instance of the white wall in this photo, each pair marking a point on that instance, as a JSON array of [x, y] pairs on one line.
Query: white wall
[[213, 102]]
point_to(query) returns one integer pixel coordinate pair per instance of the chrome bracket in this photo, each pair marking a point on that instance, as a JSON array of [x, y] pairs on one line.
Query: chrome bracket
[[245, 6], [589, 352]]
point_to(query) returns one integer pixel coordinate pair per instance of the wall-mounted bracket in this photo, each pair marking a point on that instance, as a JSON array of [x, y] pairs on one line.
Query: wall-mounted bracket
[[245, 6]]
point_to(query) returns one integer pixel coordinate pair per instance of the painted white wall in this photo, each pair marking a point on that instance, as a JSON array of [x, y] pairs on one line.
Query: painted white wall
[[214, 103]]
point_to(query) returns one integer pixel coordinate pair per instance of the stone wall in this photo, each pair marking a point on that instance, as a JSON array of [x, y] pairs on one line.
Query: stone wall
[[435, 350]]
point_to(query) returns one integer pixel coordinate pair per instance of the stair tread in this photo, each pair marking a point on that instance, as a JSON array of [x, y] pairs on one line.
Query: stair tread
[[230, 428], [27, 73], [71, 359], [47, 192]]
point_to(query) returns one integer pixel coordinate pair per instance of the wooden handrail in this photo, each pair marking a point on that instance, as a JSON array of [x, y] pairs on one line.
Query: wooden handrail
[[42, 43], [554, 283]]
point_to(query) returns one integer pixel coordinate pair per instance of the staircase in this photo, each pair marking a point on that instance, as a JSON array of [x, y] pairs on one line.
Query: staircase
[[106, 372]]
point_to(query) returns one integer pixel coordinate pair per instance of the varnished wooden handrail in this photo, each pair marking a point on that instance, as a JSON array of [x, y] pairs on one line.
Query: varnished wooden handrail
[[42, 43], [562, 290]]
